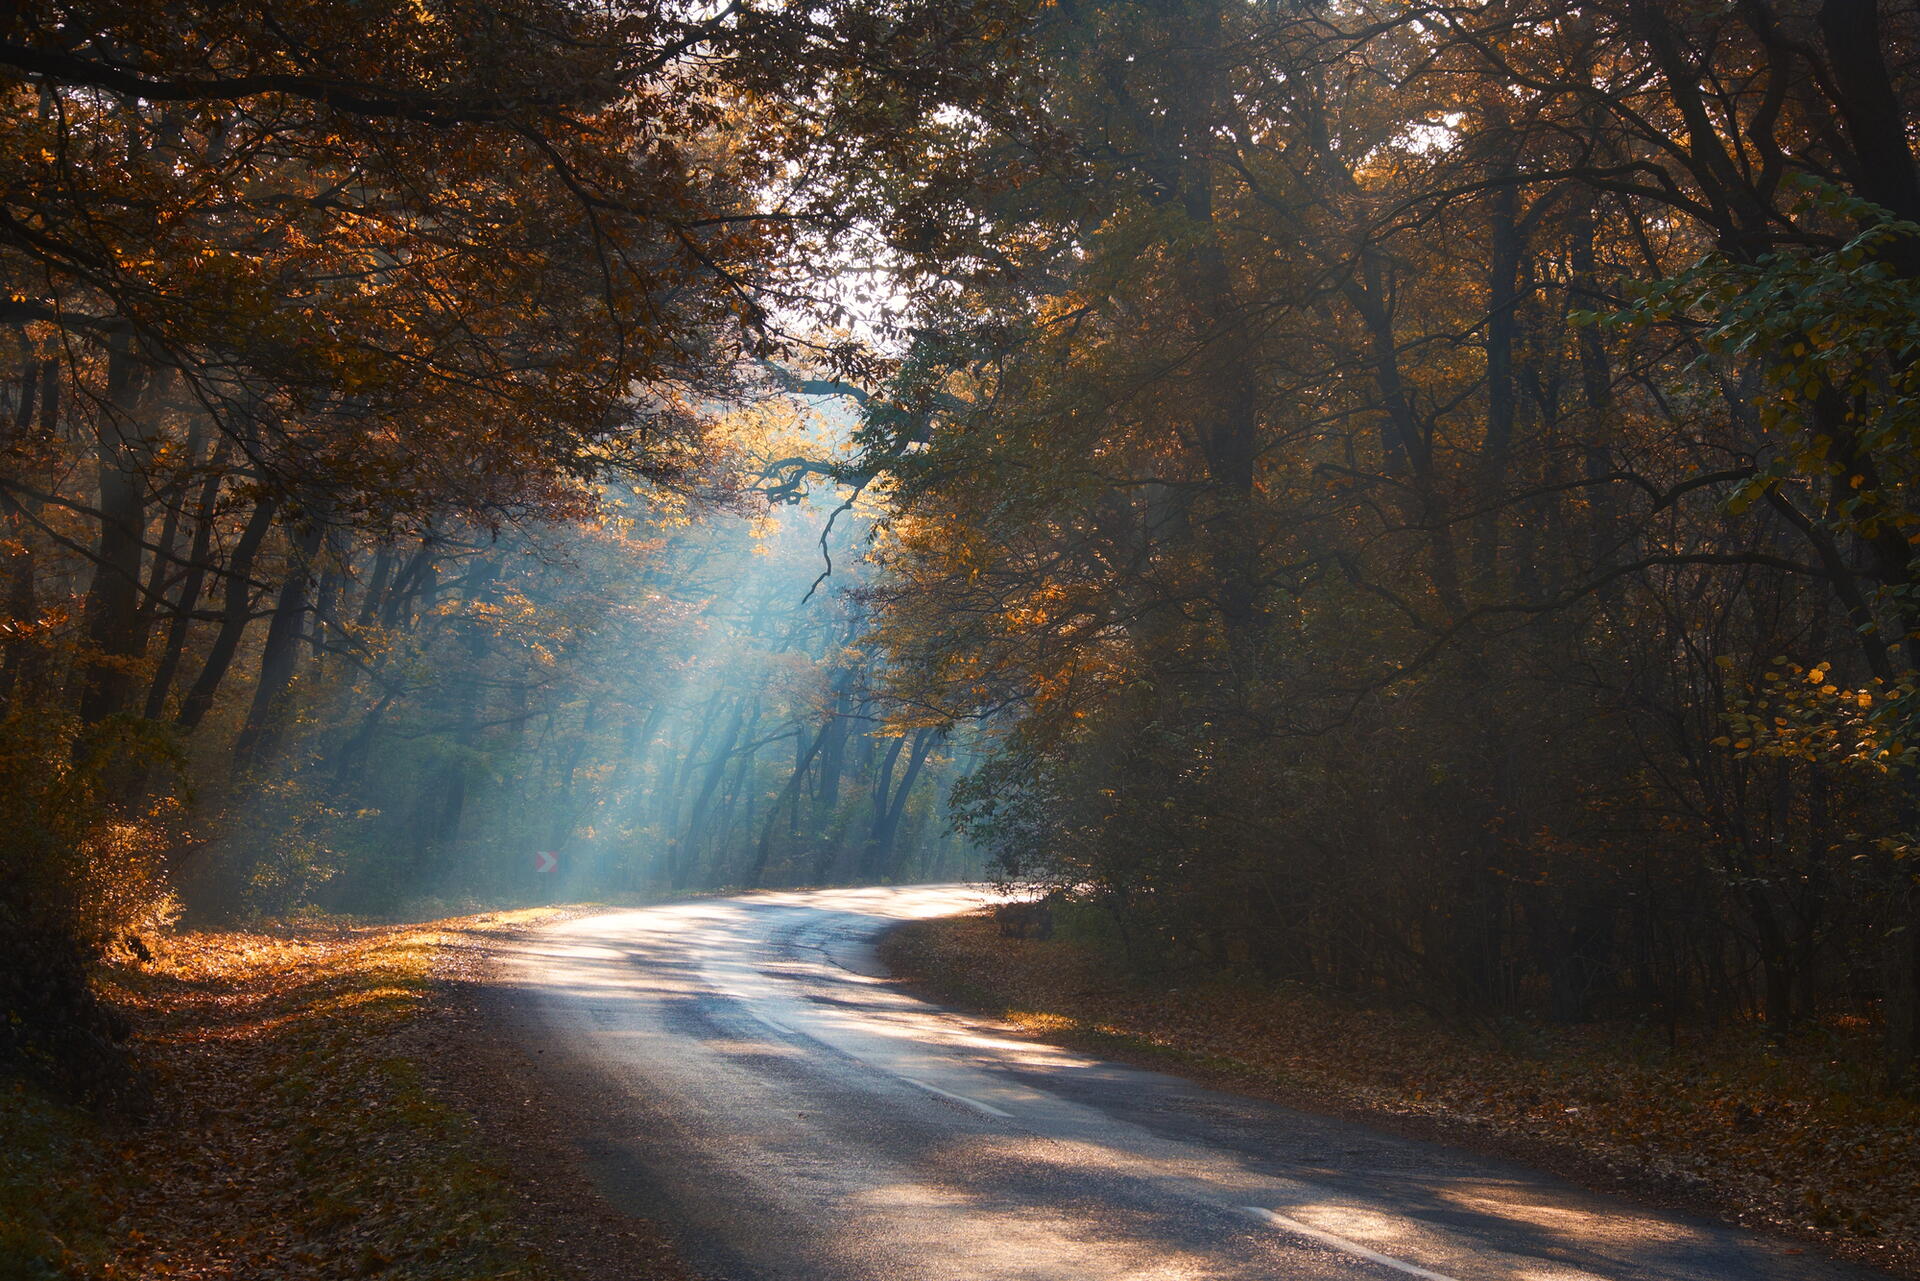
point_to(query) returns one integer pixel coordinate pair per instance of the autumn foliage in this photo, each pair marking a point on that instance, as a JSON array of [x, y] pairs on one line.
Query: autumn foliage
[[1413, 501]]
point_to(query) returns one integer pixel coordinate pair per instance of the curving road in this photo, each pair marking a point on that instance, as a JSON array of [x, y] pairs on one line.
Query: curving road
[[757, 1086]]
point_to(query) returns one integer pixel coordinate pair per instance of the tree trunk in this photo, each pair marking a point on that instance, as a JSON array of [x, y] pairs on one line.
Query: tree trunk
[[790, 795], [260, 736], [886, 823], [376, 585], [191, 586], [20, 661], [235, 613], [116, 634], [685, 849]]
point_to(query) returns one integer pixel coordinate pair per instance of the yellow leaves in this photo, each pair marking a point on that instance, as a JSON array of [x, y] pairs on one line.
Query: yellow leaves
[[1803, 714]]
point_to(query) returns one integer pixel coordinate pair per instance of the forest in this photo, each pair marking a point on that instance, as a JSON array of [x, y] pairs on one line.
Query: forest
[[1414, 499]]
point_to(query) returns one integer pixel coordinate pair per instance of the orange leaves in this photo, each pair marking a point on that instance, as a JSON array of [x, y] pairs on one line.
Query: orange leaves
[[477, 242], [1800, 713]]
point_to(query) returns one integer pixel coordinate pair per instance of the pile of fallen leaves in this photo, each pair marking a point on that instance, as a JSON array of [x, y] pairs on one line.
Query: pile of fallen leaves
[[1775, 1137], [292, 1135]]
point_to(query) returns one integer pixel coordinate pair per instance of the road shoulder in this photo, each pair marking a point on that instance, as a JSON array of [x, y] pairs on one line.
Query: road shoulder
[[327, 1101]]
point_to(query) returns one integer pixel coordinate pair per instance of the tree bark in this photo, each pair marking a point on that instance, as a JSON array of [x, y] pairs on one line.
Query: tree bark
[[235, 613], [260, 735], [116, 634]]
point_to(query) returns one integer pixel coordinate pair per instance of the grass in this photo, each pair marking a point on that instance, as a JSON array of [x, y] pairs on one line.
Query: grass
[[293, 1134], [1775, 1137]]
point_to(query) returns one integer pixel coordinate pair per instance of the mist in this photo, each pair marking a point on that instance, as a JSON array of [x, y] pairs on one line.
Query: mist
[[670, 693]]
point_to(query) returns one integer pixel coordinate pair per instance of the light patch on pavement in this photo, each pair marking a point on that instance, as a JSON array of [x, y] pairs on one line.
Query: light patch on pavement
[[975, 1104], [1122, 1177], [583, 951], [1345, 1246], [1517, 1204]]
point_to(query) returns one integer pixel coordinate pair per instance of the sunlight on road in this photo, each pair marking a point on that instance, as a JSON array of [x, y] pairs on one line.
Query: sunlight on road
[[823, 1122]]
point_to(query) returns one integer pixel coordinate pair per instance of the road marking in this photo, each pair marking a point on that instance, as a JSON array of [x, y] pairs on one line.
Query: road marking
[[976, 1104], [775, 1024], [1350, 1247]]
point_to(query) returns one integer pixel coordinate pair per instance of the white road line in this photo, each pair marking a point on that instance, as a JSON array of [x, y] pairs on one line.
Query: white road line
[[976, 1104], [1350, 1247]]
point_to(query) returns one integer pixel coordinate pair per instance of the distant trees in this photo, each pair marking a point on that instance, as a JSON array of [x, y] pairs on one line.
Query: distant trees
[[647, 696], [1437, 484]]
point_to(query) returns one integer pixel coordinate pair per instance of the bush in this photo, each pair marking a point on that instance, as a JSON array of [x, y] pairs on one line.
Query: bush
[[77, 876]]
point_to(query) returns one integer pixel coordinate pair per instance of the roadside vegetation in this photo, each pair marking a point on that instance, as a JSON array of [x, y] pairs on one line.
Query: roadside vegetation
[[1431, 493], [287, 1126], [1788, 1137]]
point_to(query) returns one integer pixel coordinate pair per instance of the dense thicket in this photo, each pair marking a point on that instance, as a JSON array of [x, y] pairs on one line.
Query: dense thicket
[[378, 452], [1438, 481]]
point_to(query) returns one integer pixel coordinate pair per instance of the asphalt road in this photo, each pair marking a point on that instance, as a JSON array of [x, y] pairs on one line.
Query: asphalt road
[[755, 1085]]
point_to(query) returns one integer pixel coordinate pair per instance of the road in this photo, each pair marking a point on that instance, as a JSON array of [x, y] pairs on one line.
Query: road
[[757, 1086]]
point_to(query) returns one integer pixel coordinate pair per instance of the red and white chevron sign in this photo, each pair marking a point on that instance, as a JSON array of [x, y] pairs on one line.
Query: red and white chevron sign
[[546, 861]]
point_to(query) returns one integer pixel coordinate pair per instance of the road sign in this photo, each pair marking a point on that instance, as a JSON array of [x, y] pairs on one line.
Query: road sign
[[546, 861]]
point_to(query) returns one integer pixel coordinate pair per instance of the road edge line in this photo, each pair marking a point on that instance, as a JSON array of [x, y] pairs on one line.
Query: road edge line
[[1342, 1244], [976, 1104]]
